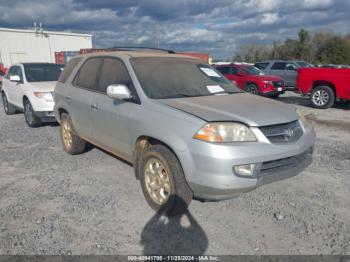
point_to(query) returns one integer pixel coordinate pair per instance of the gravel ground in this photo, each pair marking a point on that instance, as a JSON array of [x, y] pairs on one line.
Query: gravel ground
[[54, 203]]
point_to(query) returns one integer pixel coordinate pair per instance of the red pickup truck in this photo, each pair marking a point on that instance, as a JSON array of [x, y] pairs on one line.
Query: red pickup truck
[[324, 85]]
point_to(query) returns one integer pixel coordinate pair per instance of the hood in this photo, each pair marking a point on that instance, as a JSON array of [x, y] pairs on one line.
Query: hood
[[241, 107], [266, 77], [44, 86]]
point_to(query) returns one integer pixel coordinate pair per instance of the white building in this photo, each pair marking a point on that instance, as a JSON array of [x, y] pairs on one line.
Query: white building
[[37, 45]]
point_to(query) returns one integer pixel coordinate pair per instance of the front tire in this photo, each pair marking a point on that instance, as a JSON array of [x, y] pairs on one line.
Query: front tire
[[31, 119], [71, 142], [252, 88], [8, 108], [163, 181], [322, 97]]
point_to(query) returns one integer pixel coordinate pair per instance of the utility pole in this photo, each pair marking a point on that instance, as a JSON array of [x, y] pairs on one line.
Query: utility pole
[[158, 36]]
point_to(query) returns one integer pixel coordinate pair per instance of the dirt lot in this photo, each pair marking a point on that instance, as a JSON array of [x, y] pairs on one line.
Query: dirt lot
[[54, 203]]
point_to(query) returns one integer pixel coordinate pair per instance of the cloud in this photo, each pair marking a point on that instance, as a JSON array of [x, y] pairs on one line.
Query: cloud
[[218, 27]]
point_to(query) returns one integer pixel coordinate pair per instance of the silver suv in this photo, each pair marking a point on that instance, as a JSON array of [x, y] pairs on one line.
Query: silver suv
[[285, 69], [188, 131]]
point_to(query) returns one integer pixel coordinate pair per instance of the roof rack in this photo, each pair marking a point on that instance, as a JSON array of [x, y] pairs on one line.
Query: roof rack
[[140, 48]]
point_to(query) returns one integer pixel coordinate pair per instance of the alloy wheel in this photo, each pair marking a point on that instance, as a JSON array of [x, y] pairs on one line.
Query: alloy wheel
[[66, 134], [251, 89], [157, 181], [320, 98], [4, 100], [28, 112]]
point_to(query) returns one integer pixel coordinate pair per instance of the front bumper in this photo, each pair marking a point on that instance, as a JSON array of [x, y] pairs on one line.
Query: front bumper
[[209, 167], [46, 116], [273, 92]]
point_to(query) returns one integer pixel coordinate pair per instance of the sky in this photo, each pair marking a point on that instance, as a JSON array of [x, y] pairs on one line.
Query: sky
[[218, 27]]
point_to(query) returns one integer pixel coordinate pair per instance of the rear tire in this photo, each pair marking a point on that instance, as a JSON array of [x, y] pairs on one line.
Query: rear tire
[[252, 88], [29, 114], [163, 181], [71, 142], [322, 97], [8, 108]]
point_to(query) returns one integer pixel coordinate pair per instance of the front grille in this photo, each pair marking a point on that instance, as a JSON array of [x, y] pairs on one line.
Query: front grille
[[283, 133], [278, 83], [288, 162]]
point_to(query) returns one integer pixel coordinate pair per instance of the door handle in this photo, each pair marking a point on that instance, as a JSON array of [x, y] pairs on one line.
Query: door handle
[[95, 107], [68, 99]]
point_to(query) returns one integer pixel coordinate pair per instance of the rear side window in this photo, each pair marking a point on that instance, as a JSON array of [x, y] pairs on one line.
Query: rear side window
[[278, 66], [87, 75], [68, 69], [234, 70], [113, 71], [223, 69], [261, 65]]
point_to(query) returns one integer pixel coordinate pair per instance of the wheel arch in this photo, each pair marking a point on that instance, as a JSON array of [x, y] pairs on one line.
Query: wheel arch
[[60, 111], [325, 83], [251, 82], [142, 143], [25, 97]]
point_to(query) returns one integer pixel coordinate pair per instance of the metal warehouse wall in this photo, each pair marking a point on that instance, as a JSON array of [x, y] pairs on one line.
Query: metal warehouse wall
[[38, 46]]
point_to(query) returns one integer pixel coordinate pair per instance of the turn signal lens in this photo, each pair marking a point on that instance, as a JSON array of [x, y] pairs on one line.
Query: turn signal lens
[[44, 95], [219, 132]]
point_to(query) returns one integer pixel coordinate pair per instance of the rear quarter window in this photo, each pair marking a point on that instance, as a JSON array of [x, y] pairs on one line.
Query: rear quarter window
[[223, 69], [261, 65], [68, 69]]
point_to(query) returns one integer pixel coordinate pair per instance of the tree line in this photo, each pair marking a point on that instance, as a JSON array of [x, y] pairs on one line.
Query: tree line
[[319, 48]]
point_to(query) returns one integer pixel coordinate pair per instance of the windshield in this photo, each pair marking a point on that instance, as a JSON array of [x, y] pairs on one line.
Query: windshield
[[42, 72], [163, 77], [252, 70]]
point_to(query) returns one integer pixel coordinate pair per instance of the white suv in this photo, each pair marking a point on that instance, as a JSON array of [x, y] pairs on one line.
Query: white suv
[[29, 87]]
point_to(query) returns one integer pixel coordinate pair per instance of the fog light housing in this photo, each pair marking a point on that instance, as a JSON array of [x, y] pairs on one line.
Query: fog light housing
[[247, 170]]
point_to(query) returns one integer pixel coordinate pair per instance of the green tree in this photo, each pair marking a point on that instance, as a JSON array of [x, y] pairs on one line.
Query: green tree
[[335, 51], [303, 50], [237, 58]]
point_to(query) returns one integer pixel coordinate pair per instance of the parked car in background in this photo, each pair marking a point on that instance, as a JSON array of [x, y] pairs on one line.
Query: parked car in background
[[28, 87], [285, 69], [1, 77], [334, 66], [187, 130], [252, 79], [324, 85]]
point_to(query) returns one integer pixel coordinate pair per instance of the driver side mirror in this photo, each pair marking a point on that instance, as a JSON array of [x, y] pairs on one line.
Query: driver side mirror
[[121, 92], [15, 78], [240, 73]]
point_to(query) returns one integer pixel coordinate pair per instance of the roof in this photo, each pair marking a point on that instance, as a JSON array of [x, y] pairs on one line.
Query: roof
[[233, 64], [136, 54], [271, 60], [45, 32]]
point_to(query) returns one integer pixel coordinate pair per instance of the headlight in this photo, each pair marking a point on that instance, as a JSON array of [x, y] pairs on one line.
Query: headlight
[[266, 83], [302, 117], [219, 132], [44, 95]]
